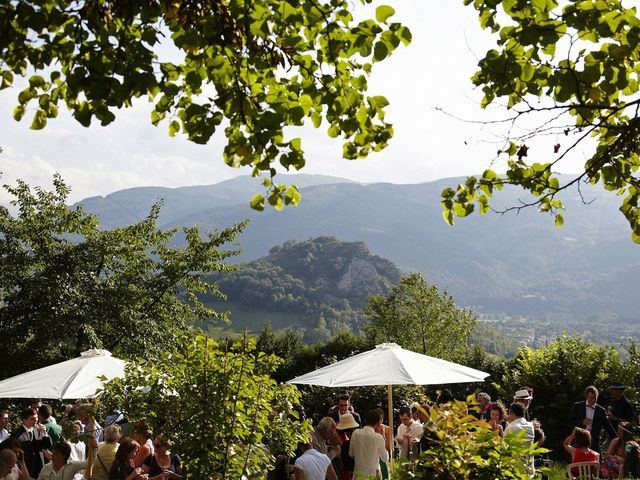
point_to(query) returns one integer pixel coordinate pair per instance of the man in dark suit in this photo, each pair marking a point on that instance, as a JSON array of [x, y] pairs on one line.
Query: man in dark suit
[[33, 440], [589, 415], [344, 406], [621, 409]]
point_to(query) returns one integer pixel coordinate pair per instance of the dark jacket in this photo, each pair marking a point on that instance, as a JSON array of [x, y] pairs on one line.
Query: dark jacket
[[579, 412], [32, 449], [622, 410]]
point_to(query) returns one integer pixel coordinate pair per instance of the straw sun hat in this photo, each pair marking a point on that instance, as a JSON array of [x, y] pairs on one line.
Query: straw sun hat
[[347, 421]]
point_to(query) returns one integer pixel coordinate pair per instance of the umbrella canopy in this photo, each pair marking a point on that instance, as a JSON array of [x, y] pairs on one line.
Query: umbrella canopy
[[389, 364], [75, 378]]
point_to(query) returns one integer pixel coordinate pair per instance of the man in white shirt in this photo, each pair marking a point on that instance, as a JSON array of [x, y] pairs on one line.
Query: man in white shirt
[[367, 447], [517, 424], [313, 465], [60, 468], [409, 434]]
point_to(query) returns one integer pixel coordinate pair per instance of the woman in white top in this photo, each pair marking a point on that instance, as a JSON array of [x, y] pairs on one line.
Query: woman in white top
[[78, 449]]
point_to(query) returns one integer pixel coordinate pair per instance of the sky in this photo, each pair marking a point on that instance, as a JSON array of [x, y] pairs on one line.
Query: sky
[[433, 72]]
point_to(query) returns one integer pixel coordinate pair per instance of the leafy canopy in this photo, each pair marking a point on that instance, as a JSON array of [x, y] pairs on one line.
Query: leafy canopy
[[66, 285], [416, 316], [575, 64], [261, 65]]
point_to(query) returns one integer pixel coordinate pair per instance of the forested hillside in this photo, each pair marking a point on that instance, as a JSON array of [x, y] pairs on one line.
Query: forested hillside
[[325, 282]]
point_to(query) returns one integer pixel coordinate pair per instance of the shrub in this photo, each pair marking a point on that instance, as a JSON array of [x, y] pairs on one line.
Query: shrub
[[218, 402], [460, 447]]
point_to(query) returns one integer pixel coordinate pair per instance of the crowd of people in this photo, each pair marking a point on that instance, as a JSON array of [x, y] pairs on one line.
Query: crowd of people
[[343, 446], [589, 419], [41, 448]]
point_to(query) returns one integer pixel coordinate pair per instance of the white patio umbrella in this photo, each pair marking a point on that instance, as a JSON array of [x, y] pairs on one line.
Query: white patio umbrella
[[389, 364], [71, 379]]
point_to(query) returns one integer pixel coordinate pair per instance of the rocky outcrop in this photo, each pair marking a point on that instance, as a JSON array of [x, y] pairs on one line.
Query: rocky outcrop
[[361, 278]]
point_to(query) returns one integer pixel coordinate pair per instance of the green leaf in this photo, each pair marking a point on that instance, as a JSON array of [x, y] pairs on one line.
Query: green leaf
[[405, 35], [463, 209], [316, 119], [559, 220], [483, 201], [293, 196], [447, 215], [19, 112], [174, 127], [296, 144], [333, 131], [306, 103], [383, 12], [448, 193], [380, 51], [36, 81], [257, 202], [39, 120]]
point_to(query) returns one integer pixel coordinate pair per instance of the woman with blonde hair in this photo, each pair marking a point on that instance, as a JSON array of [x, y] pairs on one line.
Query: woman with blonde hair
[[106, 453]]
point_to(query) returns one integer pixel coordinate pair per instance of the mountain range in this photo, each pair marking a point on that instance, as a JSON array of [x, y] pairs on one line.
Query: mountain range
[[514, 264]]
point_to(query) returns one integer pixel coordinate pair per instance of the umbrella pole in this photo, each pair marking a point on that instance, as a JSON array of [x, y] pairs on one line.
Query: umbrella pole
[[92, 429], [390, 407], [89, 469]]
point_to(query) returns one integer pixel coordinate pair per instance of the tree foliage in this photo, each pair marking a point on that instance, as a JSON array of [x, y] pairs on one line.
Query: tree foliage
[[218, 401], [261, 65], [574, 67], [416, 316], [66, 285]]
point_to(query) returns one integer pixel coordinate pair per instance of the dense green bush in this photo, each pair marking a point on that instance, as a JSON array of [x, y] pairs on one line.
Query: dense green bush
[[220, 404], [460, 447]]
